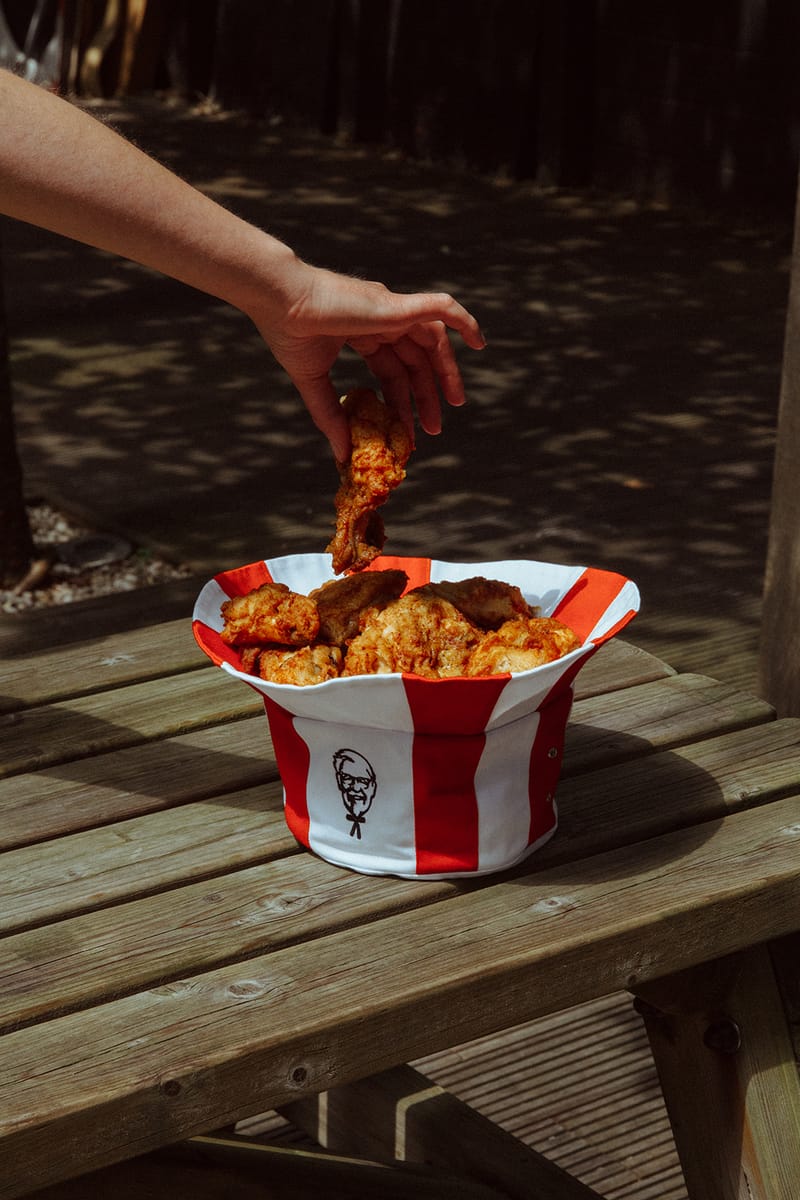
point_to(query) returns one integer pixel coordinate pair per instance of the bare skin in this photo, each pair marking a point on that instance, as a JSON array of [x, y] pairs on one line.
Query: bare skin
[[65, 171]]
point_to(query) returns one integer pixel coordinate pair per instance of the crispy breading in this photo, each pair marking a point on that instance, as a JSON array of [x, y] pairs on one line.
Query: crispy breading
[[343, 602], [381, 446], [419, 634], [270, 613], [520, 644], [301, 666], [485, 602]]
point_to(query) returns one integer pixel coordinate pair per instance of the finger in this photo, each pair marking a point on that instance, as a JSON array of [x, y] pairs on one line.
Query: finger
[[423, 381], [374, 307], [326, 412], [392, 376], [422, 308], [436, 343]]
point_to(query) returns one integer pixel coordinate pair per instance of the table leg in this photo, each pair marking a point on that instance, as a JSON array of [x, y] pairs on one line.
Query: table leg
[[404, 1115], [726, 1063]]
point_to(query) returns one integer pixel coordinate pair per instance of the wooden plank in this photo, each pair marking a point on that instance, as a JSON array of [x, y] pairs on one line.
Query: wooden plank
[[87, 959], [401, 1114], [308, 1018], [618, 664], [675, 788], [36, 738], [580, 1084], [311, 1174], [727, 1070], [198, 926], [99, 665], [213, 1168], [669, 712], [141, 856], [69, 797]]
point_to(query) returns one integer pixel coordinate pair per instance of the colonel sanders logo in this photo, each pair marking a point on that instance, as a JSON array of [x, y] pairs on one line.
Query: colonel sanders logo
[[355, 779]]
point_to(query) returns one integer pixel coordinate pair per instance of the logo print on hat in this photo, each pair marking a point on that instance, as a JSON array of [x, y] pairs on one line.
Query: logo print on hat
[[357, 784]]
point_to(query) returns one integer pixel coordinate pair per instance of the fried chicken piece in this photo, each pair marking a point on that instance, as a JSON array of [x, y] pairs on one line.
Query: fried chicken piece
[[249, 659], [488, 603], [419, 634], [270, 613], [302, 666], [520, 644], [343, 602], [381, 447]]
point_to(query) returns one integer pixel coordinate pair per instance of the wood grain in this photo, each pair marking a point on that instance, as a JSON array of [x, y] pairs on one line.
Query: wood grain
[[322, 1013], [41, 737]]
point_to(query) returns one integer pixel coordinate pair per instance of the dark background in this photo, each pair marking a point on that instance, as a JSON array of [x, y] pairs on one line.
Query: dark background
[[661, 100]]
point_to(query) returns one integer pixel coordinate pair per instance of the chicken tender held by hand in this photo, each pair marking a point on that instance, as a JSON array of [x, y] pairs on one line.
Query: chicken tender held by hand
[[418, 634], [485, 602], [270, 613], [521, 644], [381, 446], [343, 602]]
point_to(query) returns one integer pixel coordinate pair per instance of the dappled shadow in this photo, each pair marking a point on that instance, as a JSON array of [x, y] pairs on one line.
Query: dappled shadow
[[623, 413], [98, 772]]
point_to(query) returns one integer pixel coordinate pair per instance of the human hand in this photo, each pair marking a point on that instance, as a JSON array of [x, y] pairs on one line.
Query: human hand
[[403, 339]]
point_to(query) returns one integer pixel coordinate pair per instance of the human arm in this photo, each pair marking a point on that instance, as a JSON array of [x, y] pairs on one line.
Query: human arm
[[67, 172]]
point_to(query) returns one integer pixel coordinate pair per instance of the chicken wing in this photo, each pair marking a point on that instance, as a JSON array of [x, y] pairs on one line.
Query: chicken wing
[[343, 602], [520, 644], [381, 448], [419, 634], [270, 613], [485, 602]]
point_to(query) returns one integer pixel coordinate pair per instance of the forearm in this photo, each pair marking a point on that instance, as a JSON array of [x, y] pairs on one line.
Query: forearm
[[67, 172]]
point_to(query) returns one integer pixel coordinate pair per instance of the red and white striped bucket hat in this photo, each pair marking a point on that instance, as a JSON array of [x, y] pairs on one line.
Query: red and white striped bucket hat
[[425, 778]]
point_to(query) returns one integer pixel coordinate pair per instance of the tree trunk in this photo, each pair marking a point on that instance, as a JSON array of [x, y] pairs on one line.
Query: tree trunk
[[16, 543]]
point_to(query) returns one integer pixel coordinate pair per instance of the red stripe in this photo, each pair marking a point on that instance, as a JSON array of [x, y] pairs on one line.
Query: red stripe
[[547, 754], [293, 758], [211, 642], [444, 765], [588, 599], [242, 580], [613, 630], [418, 570], [546, 759]]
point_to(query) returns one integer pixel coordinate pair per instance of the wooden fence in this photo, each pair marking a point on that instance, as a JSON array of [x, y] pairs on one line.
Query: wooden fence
[[665, 99]]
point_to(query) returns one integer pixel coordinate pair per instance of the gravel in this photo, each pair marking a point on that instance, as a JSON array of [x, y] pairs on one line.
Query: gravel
[[62, 574]]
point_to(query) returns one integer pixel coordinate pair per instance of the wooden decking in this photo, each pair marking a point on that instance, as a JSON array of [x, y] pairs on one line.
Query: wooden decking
[[579, 1087]]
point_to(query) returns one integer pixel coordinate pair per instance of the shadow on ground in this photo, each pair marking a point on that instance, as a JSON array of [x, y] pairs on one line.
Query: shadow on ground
[[623, 413]]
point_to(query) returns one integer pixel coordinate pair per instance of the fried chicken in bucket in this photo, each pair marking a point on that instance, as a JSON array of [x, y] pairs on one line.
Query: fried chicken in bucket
[[520, 644], [270, 613], [381, 446], [363, 625], [488, 603], [342, 603], [419, 634]]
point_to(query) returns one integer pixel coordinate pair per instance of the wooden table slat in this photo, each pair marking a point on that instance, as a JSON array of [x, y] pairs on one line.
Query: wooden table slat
[[36, 738], [99, 665], [116, 786]]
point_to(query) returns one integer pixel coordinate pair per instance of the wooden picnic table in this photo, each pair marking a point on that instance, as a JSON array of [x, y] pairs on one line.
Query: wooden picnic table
[[171, 961]]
